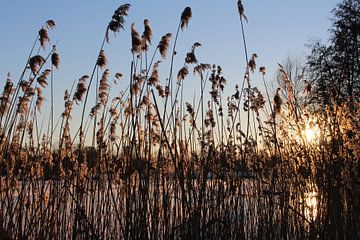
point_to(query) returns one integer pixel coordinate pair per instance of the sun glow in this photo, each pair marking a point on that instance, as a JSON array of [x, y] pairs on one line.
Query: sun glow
[[311, 133]]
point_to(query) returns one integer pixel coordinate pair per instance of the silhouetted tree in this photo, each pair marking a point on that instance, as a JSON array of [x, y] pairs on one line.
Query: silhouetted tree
[[334, 70]]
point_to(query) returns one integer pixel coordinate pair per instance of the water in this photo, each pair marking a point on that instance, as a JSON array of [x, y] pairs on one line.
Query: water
[[147, 208]]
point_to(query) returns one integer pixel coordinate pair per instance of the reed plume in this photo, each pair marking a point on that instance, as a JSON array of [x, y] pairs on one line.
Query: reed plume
[[190, 56], [183, 72], [42, 79], [43, 37], [55, 59], [36, 62], [81, 88], [65, 140], [136, 41], [95, 110], [200, 68], [114, 113], [104, 88], [185, 17], [50, 24], [154, 78], [112, 134], [288, 84], [256, 100], [24, 85], [66, 95], [189, 109], [102, 59], [210, 120], [277, 102], [23, 105], [241, 10], [117, 22], [118, 76], [145, 101], [6, 95], [40, 98], [164, 44], [68, 107], [147, 35], [100, 134], [262, 70], [252, 62], [160, 90], [135, 88]]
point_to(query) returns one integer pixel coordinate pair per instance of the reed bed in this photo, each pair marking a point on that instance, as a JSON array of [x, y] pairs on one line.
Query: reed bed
[[150, 164]]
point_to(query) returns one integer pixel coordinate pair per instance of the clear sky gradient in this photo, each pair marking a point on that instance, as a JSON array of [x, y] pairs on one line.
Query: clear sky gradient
[[276, 29]]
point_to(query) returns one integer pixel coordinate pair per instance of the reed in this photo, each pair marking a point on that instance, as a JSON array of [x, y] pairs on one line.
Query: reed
[[162, 166]]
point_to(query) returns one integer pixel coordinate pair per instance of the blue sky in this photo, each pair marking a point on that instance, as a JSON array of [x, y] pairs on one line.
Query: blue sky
[[275, 30]]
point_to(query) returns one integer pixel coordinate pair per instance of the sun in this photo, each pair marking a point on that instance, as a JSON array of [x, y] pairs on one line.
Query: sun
[[311, 133]]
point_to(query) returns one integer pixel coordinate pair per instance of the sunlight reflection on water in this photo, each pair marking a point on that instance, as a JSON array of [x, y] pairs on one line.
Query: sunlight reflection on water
[[311, 204]]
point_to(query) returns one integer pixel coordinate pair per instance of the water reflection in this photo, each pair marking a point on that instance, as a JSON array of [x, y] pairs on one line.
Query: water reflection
[[311, 204]]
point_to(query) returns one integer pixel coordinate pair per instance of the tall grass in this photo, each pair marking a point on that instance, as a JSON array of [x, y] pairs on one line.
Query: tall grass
[[162, 166]]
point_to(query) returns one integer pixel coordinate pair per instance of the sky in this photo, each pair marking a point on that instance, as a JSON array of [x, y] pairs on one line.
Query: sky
[[275, 30]]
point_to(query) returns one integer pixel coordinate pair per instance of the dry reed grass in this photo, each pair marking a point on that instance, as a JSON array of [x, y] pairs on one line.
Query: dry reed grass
[[184, 170]]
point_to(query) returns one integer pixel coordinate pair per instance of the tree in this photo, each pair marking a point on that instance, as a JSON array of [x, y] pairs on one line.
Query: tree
[[334, 70]]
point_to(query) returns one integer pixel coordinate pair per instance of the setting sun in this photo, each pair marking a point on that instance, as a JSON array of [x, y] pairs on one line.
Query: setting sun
[[310, 134], [311, 131]]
